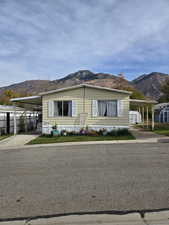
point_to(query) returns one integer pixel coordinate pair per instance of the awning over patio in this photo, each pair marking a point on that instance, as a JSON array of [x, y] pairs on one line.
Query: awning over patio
[[9, 109], [139, 102], [32, 103], [145, 107]]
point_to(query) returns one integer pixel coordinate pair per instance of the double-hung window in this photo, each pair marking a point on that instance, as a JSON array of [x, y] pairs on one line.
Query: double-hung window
[[107, 108], [62, 108]]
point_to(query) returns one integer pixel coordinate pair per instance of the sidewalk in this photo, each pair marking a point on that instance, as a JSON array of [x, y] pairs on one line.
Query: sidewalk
[[159, 218]]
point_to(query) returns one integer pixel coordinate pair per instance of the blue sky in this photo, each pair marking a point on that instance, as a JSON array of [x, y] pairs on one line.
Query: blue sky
[[50, 39]]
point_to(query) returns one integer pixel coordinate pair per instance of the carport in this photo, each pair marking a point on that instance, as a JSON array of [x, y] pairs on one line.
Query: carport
[[29, 104], [7, 113], [145, 108]]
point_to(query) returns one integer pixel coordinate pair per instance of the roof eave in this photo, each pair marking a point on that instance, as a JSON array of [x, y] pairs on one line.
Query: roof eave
[[24, 98], [143, 101], [85, 85]]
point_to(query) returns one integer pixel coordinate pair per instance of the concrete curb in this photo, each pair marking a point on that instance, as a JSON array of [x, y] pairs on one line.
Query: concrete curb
[[149, 140], [155, 218], [152, 140]]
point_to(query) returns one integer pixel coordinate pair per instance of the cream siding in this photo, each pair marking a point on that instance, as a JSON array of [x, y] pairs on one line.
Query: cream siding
[[84, 105], [95, 94]]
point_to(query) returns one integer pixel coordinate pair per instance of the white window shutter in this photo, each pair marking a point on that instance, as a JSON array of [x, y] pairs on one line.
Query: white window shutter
[[51, 108], [74, 110], [94, 108], [120, 108]]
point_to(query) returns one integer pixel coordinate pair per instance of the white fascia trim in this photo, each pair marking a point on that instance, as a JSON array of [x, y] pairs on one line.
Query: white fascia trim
[[24, 98], [143, 101]]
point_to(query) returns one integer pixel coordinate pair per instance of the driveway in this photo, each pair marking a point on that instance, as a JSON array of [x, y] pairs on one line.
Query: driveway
[[143, 135], [17, 140], [89, 178]]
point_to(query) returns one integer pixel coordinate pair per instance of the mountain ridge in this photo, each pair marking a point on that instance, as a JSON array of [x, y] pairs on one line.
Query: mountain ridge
[[148, 84]]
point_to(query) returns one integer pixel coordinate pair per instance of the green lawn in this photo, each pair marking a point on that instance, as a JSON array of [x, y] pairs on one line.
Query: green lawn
[[160, 128], [60, 139], [162, 132], [4, 136]]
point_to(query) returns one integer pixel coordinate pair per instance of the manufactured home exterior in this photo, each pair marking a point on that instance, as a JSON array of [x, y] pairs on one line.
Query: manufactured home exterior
[[162, 112], [85, 106]]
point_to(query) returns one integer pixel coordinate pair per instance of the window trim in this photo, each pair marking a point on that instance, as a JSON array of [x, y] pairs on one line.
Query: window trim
[[61, 116], [107, 116]]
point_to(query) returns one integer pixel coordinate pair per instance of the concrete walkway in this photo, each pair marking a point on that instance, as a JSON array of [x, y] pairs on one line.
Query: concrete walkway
[[155, 218], [144, 135], [17, 140]]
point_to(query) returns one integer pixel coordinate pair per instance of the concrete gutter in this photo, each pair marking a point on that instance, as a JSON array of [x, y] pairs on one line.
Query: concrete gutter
[[155, 218]]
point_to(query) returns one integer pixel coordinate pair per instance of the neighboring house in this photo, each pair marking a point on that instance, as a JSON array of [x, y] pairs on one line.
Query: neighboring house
[[85, 105], [162, 113]]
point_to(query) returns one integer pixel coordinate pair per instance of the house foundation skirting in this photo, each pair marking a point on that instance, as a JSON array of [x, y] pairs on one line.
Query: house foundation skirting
[[46, 129]]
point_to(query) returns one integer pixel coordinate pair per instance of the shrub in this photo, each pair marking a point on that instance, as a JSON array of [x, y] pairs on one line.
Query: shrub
[[119, 132], [64, 133], [72, 133], [55, 127], [162, 126], [112, 133], [103, 132], [122, 132], [92, 133]]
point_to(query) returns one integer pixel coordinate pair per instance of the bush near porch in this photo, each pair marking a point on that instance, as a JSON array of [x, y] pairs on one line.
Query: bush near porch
[[84, 135]]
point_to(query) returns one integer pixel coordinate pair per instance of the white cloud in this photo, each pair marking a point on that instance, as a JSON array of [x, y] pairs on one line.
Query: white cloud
[[58, 37]]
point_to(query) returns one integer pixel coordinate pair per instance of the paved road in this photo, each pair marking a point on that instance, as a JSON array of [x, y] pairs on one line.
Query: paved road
[[52, 180]]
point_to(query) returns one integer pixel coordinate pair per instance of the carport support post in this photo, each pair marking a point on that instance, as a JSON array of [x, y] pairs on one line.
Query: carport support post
[[152, 109], [139, 110], [147, 116], [25, 119], [14, 117], [143, 114]]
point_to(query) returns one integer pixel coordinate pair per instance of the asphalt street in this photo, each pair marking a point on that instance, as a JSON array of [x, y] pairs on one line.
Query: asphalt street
[[89, 178]]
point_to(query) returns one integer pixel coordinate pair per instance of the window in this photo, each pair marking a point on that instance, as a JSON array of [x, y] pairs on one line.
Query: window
[[107, 108], [62, 108]]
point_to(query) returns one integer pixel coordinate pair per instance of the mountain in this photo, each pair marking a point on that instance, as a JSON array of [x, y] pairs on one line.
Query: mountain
[[30, 86], [150, 84], [86, 75], [34, 87]]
